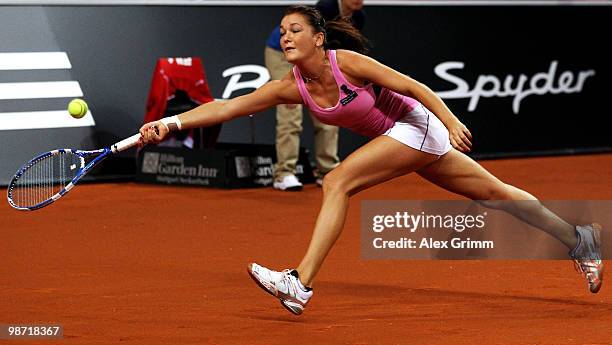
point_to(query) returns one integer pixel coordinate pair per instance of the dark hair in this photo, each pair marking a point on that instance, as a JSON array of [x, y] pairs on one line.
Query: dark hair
[[339, 33]]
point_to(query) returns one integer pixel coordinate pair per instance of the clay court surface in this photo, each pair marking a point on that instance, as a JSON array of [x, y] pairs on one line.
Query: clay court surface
[[145, 264]]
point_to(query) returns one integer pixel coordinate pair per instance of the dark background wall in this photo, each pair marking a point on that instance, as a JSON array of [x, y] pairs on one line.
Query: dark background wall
[[113, 50]]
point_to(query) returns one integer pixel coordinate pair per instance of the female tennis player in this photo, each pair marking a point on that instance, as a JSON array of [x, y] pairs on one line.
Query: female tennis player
[[412, 130]]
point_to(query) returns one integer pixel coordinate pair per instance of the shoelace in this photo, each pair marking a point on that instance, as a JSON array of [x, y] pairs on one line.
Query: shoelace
[[285, 278]]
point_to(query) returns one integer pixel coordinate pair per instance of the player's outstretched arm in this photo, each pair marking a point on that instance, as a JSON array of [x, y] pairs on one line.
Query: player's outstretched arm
[[365, 68], [271, 94]]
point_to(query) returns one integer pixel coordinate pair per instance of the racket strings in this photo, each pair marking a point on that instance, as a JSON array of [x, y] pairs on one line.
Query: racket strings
[[45, 178]]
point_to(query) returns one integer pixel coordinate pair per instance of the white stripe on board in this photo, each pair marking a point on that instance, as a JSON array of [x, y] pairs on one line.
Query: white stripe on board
[[45, 89], [43, 119], [28, 61]]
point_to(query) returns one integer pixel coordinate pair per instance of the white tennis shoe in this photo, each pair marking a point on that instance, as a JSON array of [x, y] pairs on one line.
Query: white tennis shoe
[[288, 183], [285, 286], [587, 255]]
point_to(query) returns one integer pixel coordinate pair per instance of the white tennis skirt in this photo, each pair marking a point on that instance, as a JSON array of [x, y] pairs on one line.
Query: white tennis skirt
[[421, 130]]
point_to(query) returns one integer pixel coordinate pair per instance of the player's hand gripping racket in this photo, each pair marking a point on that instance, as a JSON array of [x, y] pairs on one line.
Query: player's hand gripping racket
[[51, 175]]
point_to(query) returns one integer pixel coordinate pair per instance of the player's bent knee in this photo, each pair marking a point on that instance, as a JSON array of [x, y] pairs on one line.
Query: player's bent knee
[[335, 182]]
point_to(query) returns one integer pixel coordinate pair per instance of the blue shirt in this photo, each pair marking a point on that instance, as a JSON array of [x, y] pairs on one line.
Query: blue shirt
[[274, 39]]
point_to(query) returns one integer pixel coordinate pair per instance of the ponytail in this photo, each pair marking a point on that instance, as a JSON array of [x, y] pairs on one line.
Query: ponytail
[[341, 34]]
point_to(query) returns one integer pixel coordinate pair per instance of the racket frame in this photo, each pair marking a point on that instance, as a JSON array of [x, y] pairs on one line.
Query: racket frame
[[83, 169]]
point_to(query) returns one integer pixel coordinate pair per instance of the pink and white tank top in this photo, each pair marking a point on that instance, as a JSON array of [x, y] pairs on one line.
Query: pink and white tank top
[[359, 108]]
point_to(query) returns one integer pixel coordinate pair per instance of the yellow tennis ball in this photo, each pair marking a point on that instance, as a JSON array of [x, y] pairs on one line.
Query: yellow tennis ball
[[77, 108]]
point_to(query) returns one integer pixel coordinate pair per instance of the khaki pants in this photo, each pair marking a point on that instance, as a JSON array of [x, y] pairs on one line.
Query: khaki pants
[[289, 128]]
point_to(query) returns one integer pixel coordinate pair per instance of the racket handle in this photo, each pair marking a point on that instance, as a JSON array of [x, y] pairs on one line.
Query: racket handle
[[126, 143]]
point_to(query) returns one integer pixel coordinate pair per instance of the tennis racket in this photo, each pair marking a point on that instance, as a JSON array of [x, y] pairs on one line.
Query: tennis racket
[[49, 176]]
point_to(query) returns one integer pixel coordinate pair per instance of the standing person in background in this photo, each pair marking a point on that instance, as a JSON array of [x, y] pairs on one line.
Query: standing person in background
[[349, 9], [289, 116]]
